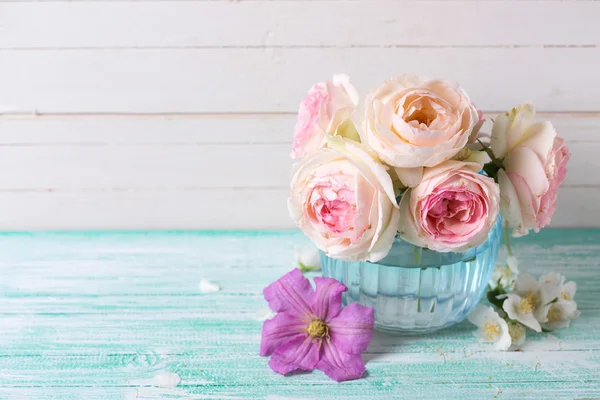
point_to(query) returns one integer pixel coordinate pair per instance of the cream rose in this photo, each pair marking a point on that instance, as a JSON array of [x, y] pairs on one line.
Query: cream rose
[[325, 110], [534, 160], [452, 209], [343, 200], [413, 122]]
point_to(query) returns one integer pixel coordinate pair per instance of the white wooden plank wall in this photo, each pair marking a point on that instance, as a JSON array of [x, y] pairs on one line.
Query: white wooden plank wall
[[179, 114]]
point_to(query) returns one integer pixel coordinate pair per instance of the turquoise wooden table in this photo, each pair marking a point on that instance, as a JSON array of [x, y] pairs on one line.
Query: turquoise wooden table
[[121, 316]]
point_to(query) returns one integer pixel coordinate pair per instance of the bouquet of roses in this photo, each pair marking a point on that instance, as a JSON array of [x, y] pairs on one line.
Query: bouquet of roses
[[410, 160]]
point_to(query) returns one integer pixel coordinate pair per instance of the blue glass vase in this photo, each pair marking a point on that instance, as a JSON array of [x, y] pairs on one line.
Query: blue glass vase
[[415, 290]]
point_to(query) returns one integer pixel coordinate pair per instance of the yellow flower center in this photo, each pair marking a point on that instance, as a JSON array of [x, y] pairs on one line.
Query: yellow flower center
[[317, 329], [554, 314], [529, 302], [565, 295], [491, 330]]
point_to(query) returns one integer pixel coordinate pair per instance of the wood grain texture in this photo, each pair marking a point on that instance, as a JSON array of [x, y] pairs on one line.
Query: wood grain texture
[[306, 24], [97, 316], [83, 171], [185, 166], [200, 129], [142, 114], [255, 80], [227, 208]]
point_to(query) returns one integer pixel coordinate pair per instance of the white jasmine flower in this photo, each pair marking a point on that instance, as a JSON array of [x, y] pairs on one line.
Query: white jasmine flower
[[505, 274], [166, 380], [492, 328], [566, 290], [564, 309], [530, 301], [517, 334], [307, 259], [560, 315]]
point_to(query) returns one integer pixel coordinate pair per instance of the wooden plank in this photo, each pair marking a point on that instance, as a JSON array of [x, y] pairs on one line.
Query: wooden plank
[[138, 167], [264, 24], [162, 130], [181, 166], [123, 307], [159, 209], [258, 208], [267, 80], [171, 130]]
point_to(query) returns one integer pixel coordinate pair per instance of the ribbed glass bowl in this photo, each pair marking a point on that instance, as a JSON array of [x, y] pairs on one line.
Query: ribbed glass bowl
[[415, 290]]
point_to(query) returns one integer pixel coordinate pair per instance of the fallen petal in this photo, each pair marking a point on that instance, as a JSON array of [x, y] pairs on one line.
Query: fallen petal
[[207, 286], [263, 315], [166, 380]]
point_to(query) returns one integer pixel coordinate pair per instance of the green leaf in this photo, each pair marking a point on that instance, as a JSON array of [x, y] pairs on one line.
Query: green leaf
[[492, 296], [306, 268]]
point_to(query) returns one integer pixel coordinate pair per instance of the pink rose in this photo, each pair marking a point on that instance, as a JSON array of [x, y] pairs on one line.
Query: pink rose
[[452, 209], [413, 121], [343, 200], [534, 160], [326, 110]]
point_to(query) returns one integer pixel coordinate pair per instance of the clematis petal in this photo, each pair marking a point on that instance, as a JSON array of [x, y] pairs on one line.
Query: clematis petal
[[339, 365], [327, 302], [291, 292], [299, 353], [352, 329], [279, 330]]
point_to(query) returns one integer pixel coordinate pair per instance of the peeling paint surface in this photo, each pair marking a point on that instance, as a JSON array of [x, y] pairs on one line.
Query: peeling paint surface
[[120, 316]]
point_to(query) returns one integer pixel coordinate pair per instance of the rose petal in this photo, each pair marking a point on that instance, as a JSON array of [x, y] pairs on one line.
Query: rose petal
[[410, 177], [525, 162], [539, 137], [298, 353], [386, 238], [352, 329], [510, 205], [278, 330], [340, 366], [291, 292], [327, 302]]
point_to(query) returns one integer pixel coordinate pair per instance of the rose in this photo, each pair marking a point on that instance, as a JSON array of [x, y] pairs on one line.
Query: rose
[[412, 121], [534, 163], [326, 110], [452, 209], [343, 200]]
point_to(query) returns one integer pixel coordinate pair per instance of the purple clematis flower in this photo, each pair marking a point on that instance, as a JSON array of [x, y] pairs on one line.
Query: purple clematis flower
[[311, 330]]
